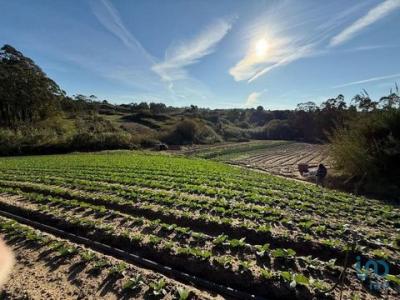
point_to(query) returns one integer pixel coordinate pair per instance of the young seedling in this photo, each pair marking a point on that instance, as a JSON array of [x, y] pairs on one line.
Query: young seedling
[[87, 256], [118, 269], [100, 264], [236, 244], [183, 293], [133, 283], [55, 245], [67, 251], [220, 240], [158, 288], [244, 266], [283, 253], [267, 273], [262, 249]]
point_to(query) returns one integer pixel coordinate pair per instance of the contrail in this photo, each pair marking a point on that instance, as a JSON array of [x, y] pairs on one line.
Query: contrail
[[367, 80]]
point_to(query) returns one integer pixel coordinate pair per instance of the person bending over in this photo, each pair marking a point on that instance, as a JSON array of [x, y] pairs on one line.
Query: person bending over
[[321, 174]]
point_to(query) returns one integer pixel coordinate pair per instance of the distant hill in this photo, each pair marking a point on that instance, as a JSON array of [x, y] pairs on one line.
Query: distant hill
[[38, 117]]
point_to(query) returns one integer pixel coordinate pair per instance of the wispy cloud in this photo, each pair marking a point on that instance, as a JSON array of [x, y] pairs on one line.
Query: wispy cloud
[[313, 30], [301, 52], [373, 15], [109, 17], [368, 80], [253, 99], [281, 50], [189, 52], [290, 32]]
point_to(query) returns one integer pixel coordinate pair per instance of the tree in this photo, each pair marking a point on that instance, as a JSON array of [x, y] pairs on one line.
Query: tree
[[364, 102], [332, 104], [157, 108], [392, 100], [307, 106], [26, 93], [278, 129]]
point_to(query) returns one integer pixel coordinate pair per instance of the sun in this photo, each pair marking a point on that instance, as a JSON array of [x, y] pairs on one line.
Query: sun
[[261, 47]]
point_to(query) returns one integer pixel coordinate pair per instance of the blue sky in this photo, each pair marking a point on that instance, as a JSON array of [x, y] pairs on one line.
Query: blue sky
[[217, 54]]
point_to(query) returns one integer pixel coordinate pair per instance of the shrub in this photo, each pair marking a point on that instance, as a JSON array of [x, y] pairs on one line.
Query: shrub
[[368, 149], [189, 132]]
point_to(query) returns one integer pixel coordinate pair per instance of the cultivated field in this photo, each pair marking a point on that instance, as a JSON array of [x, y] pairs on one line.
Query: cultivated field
[[276, 157], [227, 151], [129, 224], [284, 159]]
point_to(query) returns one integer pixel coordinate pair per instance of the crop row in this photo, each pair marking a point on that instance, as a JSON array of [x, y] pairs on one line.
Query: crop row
[[123, 223], [308, 201], [129, 277], [202, 222], [219, 210], [214, 245], [190, 259]]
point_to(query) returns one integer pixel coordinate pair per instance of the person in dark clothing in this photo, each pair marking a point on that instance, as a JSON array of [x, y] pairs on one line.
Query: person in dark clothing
[[321, 174]]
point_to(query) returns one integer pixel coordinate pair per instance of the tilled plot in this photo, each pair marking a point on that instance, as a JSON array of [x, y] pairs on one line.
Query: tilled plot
[[284, 159]]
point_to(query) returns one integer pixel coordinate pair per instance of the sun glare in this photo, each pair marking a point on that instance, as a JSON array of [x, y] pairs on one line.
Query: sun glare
[[261, 47]]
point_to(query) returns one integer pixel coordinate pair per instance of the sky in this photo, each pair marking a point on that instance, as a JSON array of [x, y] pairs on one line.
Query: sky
[[216, 54]]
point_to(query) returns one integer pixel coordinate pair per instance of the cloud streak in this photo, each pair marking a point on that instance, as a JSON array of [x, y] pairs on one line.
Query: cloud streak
[[291, 33], [281, 51], [189, 52], [109, 17], [368, 80], [313, 35], [374, 15]]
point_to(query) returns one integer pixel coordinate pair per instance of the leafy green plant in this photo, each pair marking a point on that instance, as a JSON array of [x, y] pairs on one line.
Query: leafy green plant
[[283, 253], [158, 287], [100, 264], [133, 283], [87, 256], [224, 261], [220, 240], [118, 269], [286, 275], [264, 228], [262, 249], [267, 273], [301, 279], [393, 278], [244, 266], [319, 284], [235, 243], [183, 294], [67, 250], [55, 245], [381, 253], [154, 240]]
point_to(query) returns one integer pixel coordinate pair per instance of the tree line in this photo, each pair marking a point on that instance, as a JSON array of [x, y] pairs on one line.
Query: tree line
[[37, 116]]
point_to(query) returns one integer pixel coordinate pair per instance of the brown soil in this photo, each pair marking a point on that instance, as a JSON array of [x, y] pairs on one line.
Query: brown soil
[[39, 273]]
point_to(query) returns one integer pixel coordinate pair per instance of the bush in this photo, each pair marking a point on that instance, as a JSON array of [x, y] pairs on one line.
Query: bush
[[234, 134], [278, 130], [189, 132], [367, 151], [56, 135]]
